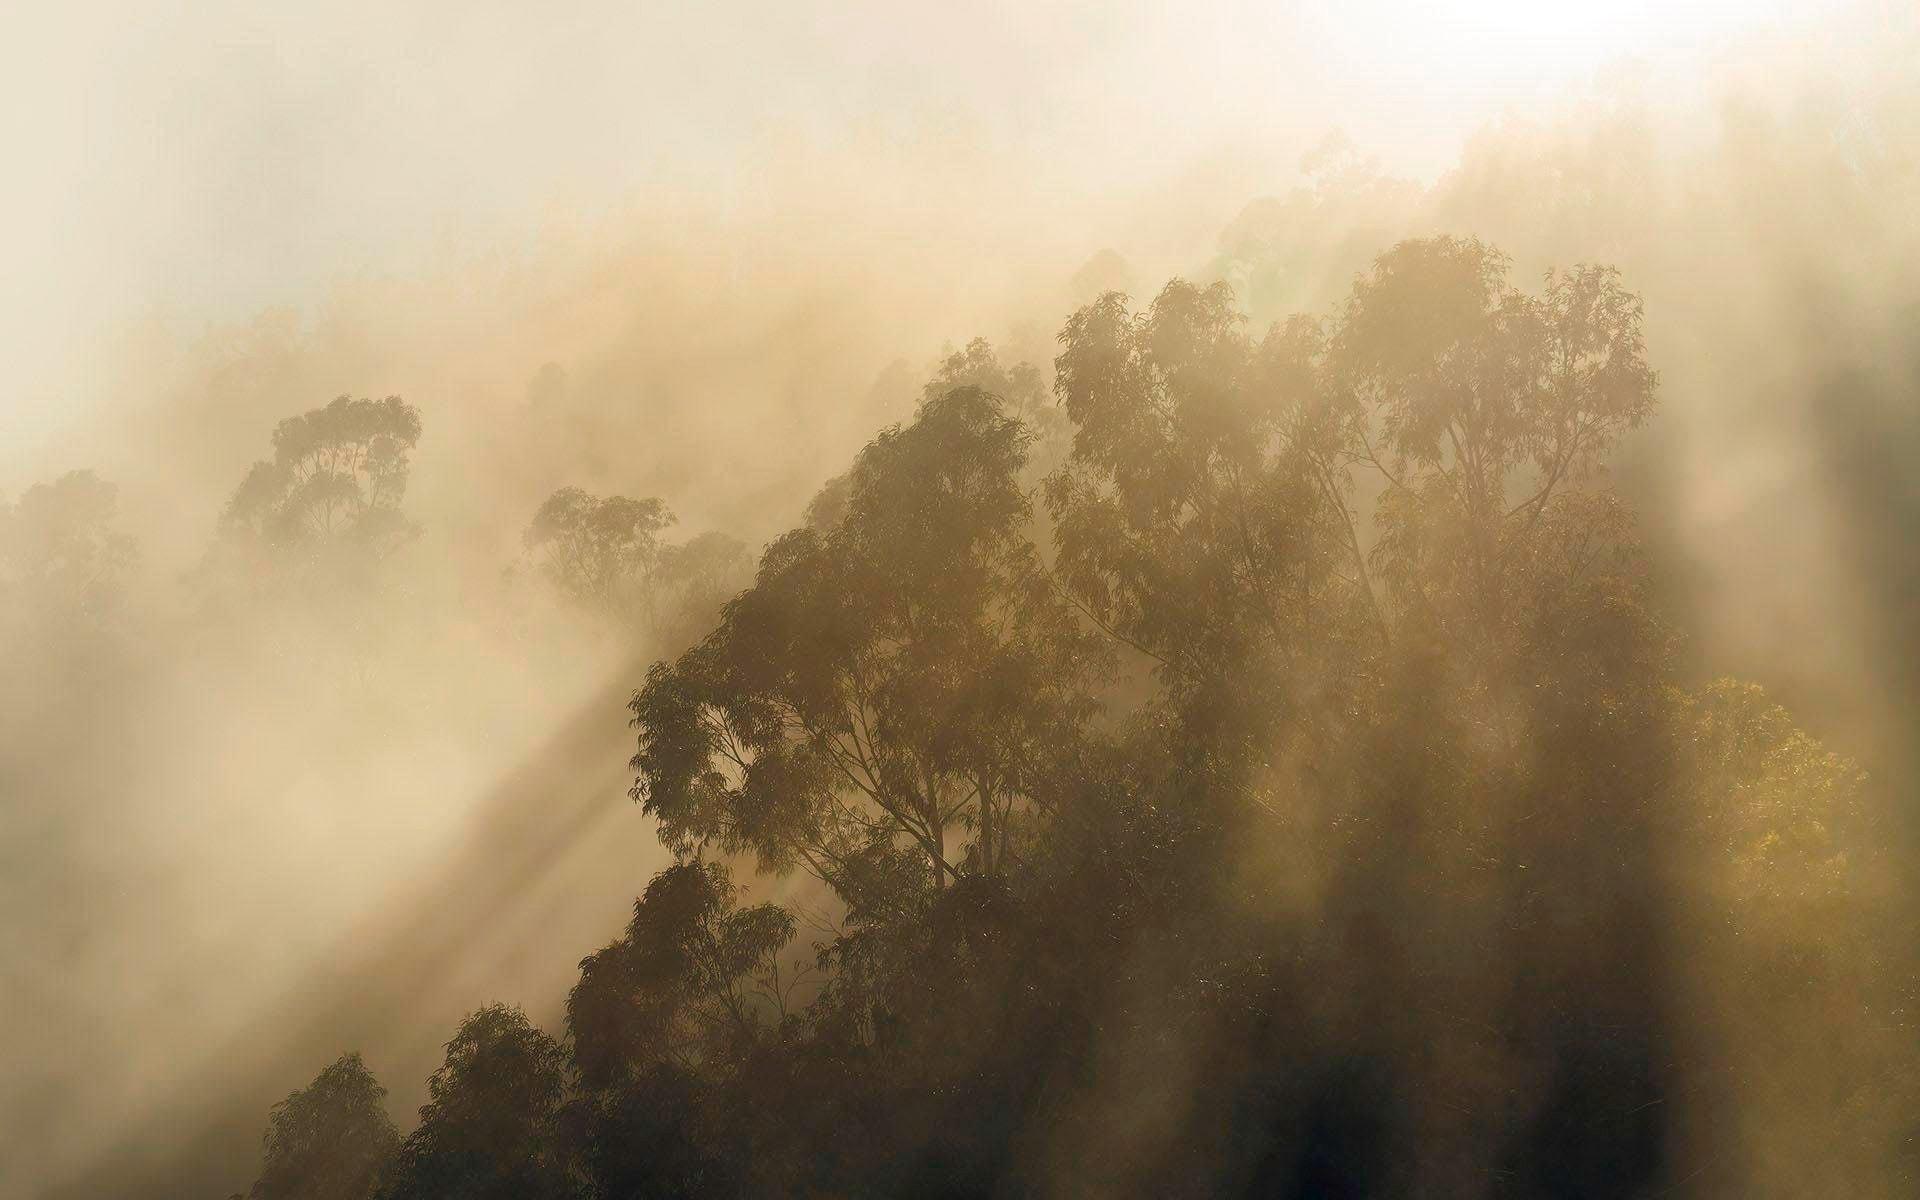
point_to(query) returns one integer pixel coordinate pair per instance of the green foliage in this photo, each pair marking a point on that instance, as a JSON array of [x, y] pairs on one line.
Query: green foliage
[[1783, 819]]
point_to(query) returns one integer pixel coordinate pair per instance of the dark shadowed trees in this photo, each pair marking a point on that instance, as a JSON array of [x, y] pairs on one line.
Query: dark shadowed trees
[[695, 987], [1372, 882], [696, 977], [886, 682], [330, 1140], [490, 1126]]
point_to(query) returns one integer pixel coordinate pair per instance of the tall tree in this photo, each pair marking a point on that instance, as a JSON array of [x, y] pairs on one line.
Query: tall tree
[[330, 1140], [1373, 886], [605, 554], [601, 552], [695, 976], [1201, 517], [883, 682], [1021, 388], [336, 480], [490, 1126]]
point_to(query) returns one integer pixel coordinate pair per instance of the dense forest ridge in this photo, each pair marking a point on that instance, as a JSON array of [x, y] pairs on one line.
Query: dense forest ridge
[[1260, 771]]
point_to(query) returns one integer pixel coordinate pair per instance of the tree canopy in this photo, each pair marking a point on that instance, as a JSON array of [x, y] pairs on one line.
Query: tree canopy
[[605, 555], [1282, 785], [330, 1140], [61, 550], [336, 480]]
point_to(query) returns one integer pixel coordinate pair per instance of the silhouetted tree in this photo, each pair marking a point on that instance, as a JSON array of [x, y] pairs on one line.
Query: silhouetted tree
[[601, 552], [330, 1140], [490, 1126], [695, 977], [605, 554], [1369, 885], [336, 480]]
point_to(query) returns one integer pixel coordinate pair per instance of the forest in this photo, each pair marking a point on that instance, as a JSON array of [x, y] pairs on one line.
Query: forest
[[1253, 765], [877, 600]]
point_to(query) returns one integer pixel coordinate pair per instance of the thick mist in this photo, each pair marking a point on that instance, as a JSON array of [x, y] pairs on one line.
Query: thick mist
[[252, 824]]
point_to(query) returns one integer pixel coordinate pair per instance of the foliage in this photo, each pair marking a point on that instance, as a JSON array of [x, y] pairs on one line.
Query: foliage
[[336, 480], [605, 555], [61, 555], [1303, 801], [488, 1128], [330, 1140], [690, 981], [601, 552], [883, 681]]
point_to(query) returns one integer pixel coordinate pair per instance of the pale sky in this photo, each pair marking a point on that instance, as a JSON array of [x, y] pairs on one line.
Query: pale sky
[[200, 162]]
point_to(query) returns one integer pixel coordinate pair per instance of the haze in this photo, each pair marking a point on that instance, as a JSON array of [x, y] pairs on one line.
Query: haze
[[705, 254]]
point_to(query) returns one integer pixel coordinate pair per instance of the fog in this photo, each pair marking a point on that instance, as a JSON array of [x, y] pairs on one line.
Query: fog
[[705, 257]]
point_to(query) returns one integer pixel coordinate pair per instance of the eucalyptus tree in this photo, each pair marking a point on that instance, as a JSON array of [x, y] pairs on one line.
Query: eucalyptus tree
[[1199, 515], [1021, 387], [491, 1126], [888, 680], [330, 1140], [601, 552], [1400, 625], [336, 481], [1210, 510], [695, 977]]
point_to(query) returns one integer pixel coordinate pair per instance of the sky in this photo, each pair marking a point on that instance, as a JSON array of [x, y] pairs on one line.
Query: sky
[[195, 164]]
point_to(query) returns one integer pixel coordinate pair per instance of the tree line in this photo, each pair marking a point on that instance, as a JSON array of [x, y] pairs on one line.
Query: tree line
[[1257, 768]]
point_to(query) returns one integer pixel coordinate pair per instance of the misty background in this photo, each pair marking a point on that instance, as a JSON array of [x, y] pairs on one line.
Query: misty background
[[703, 257]]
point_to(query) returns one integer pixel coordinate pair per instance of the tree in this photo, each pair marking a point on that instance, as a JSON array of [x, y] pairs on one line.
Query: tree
[[1378, 882], [691, 980], [330, 1140], [1453, 709], [651, 1138], [1795, 936], [61, 554], [1021, 388], [703, 568], [489, 1127], [335, 482], [1207, 514], [1489, 406], [1200, 516], [605, 554], [602, 553], [882, 682], [696, 578]]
